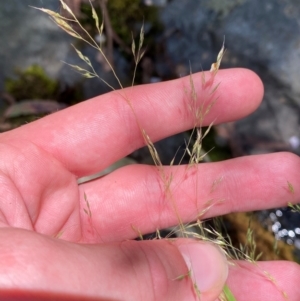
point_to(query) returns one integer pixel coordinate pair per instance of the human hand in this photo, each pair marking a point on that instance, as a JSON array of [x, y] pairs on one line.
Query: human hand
[[94, 256]]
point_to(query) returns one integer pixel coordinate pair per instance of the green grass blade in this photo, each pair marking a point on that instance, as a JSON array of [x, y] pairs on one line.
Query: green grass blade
[[228, 294]]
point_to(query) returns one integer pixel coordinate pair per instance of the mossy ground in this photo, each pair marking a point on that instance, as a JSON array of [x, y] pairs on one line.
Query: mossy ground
[[32, 83]]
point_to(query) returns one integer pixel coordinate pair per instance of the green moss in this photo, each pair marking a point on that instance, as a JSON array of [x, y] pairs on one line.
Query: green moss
[[126, 17], [217, 152], [32, 83]]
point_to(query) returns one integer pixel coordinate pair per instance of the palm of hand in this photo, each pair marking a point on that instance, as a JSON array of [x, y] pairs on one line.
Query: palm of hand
[[40, 194]]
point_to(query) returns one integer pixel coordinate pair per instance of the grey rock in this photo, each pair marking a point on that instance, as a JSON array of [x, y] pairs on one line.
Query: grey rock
[[262, 36], [267, 34], [29, 37], [186, 38]]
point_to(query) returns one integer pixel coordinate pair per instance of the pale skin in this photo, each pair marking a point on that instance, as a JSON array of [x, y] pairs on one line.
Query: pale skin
[[49, 243]]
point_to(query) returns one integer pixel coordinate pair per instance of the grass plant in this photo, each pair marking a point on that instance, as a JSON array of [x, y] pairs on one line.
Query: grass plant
[[200, 106]]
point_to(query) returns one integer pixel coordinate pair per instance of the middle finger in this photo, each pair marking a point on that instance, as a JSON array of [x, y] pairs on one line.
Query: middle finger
[[135, 199]]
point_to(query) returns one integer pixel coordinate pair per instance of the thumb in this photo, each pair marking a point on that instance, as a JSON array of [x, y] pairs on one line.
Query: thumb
[[207, 267], [40, 267]]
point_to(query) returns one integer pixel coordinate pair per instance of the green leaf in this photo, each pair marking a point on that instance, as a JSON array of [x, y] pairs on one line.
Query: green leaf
[[228, 294]]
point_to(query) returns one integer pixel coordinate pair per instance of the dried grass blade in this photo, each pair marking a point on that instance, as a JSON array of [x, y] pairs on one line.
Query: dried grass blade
[[83, 57], [67, 8], [95, 16], [60, 21]]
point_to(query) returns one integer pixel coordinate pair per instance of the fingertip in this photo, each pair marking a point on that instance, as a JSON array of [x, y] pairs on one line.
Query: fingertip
[[254, 85], [208, 267], [243, 90], [272, 280]]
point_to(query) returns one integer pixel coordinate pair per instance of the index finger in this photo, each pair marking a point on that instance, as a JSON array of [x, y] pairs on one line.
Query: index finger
[[93, 134]]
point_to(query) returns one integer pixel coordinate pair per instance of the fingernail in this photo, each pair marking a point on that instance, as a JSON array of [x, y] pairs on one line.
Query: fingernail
[[207, 264]]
